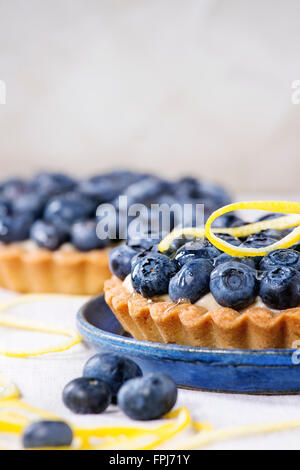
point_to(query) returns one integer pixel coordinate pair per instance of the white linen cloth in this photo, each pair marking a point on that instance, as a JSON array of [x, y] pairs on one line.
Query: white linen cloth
[[41, 381]]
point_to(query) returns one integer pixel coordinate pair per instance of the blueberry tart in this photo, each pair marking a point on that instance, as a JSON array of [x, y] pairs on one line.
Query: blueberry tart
[[196, 295], [48, 227]]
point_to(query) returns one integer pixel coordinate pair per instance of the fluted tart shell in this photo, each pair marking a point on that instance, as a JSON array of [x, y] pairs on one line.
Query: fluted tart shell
[[192, 325], [42, 271]]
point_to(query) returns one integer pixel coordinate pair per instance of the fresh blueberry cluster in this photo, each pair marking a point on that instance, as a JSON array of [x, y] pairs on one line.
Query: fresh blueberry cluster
[[107, 378], [193, 268], [110, 378], [54, 208]]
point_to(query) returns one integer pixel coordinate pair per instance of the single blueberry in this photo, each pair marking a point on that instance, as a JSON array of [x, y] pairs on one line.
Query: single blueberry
[[274, 233], [203, 192], [5, 207], [144, 240], [214, 192], [151, 275], [115, 370], [68, 208], [51, 184], [30, 203], [273, 215], [13, 188], [120, 260], [146, 190], [14, 228], [282, 257], [47, 235], [108, 186], [257, 242], [195, 250], [192, 281], [87, 395], [178, 243], [228, 220], [100, 188], [225, 258], [280, 288], [84, 236], [260, 237], [148, 397], [47, 434], [186, 188], [229, 239], [234, 285]]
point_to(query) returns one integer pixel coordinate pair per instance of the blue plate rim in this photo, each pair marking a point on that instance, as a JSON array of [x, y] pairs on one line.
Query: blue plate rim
[[159, 348]]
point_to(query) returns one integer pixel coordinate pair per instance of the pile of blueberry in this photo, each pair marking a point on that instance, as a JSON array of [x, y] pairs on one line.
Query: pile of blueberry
[[193, 268], [53, 208], [107, 378]]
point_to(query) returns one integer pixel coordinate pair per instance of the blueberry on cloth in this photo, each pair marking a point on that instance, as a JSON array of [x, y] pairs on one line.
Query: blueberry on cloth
[[115, 370], [280, 288], [84, 236], [192, 281], [47, 434], [195, 250], [47, 235], [225, 258], [120, 260], [234, 285], [87, 395], [151, 275], [14, 228], [283, 257], [148, 397]]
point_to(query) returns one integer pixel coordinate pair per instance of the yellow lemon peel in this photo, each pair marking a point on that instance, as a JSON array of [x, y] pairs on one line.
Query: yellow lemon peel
[[280, 223], [14, 416], [207, 438], [8, 388], [72, 336]]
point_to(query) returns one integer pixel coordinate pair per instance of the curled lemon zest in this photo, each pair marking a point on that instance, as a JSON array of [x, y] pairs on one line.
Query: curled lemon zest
[[274, 206], [14, 417], [73, 337], [280, 223]]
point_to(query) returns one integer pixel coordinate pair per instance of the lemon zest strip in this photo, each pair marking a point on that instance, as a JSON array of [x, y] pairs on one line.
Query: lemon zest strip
[[274, 206], [280, 223], [139, 438], [15, 322], [13, 419], [287, 221], [121, 437], [207, 438]]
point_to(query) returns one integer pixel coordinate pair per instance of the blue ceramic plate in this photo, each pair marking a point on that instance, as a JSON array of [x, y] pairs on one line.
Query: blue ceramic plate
[[221, 370]]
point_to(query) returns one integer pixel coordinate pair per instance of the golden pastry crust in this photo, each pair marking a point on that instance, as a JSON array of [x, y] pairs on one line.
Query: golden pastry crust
[[192, 325], [42, 271]]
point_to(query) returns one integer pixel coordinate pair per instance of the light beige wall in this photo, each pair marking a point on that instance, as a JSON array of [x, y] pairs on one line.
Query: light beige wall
[[180, 86]]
